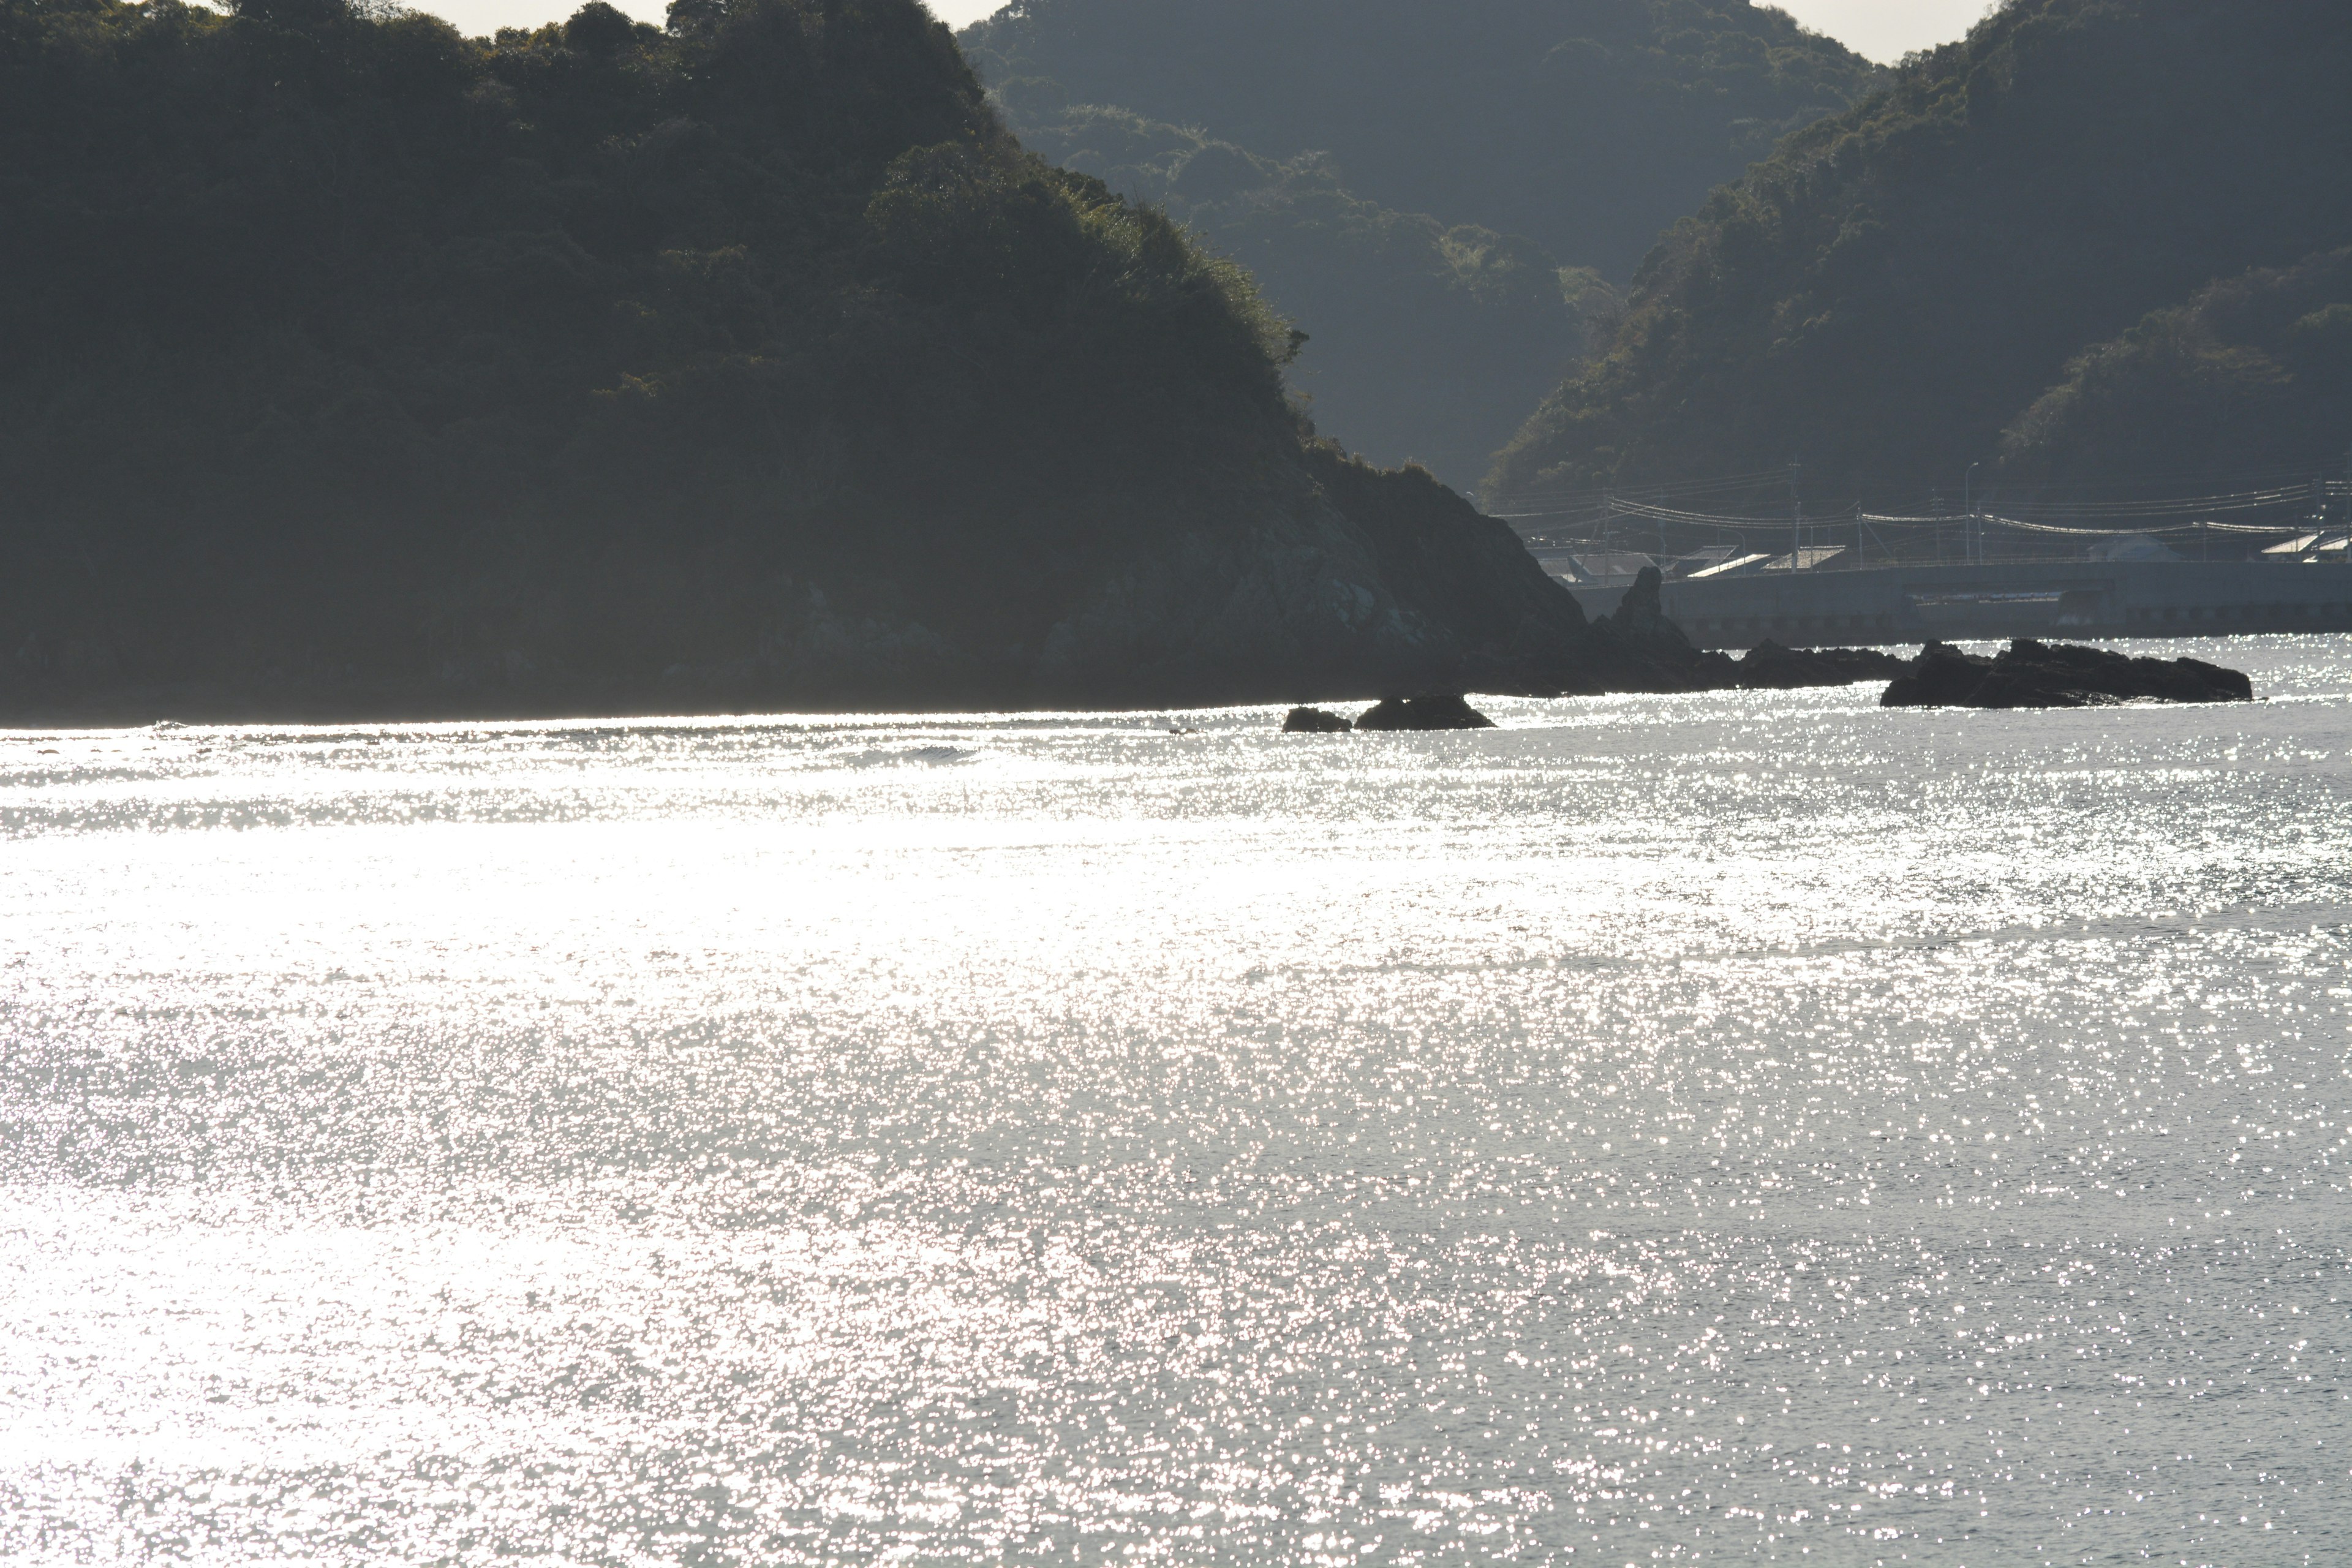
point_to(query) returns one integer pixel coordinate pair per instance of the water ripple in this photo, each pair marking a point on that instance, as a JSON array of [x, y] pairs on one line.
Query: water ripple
[[1725, 1128]]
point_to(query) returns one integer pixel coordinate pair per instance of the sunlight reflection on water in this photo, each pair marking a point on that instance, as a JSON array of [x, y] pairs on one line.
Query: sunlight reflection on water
[[1664, 1129]]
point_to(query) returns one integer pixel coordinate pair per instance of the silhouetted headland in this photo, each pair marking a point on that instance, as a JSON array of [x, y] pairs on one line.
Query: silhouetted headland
[[360, 368]]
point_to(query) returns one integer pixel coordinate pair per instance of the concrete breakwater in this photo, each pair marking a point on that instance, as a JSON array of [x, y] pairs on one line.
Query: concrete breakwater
[[1893, 604]]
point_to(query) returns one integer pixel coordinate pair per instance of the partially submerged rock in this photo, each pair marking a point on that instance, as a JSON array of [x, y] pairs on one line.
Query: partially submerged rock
[[1314, 722], [2031, 674], [1941, 676], [1769, 667], [1435, 712]]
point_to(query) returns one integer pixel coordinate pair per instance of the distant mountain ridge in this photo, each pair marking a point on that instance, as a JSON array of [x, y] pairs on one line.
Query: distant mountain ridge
[[1899, 286], [1587, 125], [1425, 343], [1314, 139]]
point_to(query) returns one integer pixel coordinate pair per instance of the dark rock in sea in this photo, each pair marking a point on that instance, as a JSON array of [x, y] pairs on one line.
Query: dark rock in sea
[[1769, 666], [1641, 612], [1424, 713], [2031, 674], [1314, 722], [1637, 649], [1941, 676], [2060, 675]]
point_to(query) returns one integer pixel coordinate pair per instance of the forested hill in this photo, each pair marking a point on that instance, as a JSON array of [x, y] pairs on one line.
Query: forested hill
[[1586, 125], [1437, 192], [1426, 341], [1897, 287], [2253, 373], [357, 365]]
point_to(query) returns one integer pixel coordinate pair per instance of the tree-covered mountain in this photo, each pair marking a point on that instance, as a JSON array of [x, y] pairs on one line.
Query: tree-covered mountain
[[2255, 372], [1428, 344], [1310, 139], [747, 360], [1587, 125], [1897, 286]]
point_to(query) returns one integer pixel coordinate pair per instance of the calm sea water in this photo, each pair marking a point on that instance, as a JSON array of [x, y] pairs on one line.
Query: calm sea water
[[1726, 1128]]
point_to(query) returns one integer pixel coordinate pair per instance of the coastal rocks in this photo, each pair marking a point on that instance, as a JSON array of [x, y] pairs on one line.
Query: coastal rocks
[[2058, 675], [1314, 722], [1769, 666], [1424, 713], [1641, 612], [1638, 648], [2031, 674], [1941, 676], [1394, 713]]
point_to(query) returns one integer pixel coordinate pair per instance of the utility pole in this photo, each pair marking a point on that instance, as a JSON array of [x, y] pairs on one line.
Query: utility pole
[[1969, 504], [1796, 519]]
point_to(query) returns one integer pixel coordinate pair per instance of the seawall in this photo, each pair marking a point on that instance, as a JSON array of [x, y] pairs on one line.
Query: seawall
[[1900, 604]]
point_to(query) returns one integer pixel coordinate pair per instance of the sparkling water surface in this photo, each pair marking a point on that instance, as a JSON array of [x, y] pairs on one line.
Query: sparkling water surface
[[1726, 1128]]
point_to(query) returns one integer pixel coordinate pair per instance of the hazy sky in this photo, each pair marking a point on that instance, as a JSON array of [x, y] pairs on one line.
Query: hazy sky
[[1888, 30], [1883, 29]]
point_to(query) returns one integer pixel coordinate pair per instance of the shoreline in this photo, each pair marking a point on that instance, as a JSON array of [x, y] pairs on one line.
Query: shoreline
[[291, 705], [212, 708]]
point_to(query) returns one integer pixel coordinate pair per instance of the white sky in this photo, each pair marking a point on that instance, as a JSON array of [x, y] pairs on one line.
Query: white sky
[[1886, 31], [1881, 30]]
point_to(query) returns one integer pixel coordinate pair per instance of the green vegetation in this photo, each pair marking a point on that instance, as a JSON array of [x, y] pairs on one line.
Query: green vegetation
[[1309, 138], [1891, 290], [2255, 372], [750, 353], [1428, 344], [1588, 125]]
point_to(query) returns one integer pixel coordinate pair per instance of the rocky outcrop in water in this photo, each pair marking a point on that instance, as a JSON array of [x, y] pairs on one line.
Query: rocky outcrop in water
[[1314, 722], [1769, 666], [1941, 676], [1433, 712], [1637, 649], [2030, 674]]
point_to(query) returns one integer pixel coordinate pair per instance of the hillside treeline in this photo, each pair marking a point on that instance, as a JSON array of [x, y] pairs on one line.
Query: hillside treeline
[[750, 352], [1437, 192], [1587, 125], [2254, 372], [1898, 287], [1428, 344]]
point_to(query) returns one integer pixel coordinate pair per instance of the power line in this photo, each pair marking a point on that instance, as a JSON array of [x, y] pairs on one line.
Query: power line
[[2150, 515]]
